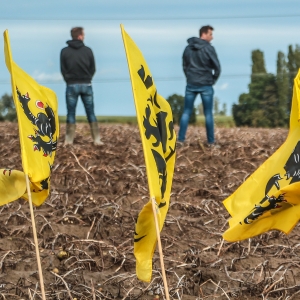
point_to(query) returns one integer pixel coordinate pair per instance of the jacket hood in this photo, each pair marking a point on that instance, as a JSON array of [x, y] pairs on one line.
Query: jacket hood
[[196, 43], [76, 44]]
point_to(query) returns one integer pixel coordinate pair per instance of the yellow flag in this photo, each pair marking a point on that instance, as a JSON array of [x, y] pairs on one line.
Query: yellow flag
[[270, 197], [12, 185], [36, 108], [155, 122]]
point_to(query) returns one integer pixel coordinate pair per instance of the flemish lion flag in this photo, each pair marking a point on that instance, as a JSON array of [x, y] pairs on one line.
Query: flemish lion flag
[[155, 122], [270, 197], [36, 108]]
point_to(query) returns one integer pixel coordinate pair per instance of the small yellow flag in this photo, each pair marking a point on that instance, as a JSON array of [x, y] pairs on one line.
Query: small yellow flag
[[270, 197], [158, 136], [36, 108], [12, 185]]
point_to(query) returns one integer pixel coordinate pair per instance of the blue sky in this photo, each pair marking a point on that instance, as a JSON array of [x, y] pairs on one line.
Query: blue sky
[[38, 30]]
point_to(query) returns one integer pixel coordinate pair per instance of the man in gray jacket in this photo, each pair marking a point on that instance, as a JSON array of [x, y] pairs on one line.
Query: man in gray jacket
[[77, 66], [202, 69]]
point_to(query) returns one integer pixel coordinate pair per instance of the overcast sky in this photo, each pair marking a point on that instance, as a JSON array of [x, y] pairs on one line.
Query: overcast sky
[[38, 30]]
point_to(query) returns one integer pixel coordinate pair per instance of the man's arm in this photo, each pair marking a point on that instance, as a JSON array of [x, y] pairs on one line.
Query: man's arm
[[216, 63], [62, 65], [92, 64], [184, 62]]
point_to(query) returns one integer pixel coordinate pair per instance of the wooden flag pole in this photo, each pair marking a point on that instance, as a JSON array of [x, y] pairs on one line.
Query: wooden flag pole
[[35, 238], [160, 248]]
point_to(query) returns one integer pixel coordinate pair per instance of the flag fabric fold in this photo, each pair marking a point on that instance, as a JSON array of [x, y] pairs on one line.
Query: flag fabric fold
[[270, 197], [158, 137], [36, 108], [12, 185]]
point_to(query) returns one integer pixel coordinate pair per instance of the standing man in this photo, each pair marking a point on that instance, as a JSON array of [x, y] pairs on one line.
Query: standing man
[[77, 66], [202, 69]]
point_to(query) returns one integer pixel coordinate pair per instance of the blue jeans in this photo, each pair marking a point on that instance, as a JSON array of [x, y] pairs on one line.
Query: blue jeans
[[85, 91], [206, 92]]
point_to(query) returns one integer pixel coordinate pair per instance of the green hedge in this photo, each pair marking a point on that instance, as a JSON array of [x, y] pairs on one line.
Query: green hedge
[[104, 119], [220, 121]]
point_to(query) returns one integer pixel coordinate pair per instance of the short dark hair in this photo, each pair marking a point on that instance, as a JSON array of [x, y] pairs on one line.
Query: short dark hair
[[76, 32], [204, 29]]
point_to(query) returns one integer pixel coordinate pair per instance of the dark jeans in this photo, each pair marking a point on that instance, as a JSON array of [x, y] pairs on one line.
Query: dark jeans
[[85, 91], [206, 92]]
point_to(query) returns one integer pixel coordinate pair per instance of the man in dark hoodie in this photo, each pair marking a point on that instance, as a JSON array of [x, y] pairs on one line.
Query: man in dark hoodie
[[202, 69], [77, 66]]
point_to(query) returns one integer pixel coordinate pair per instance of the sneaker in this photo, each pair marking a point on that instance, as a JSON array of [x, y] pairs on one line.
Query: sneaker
[[213, 146], [98, 142], [179, 144]]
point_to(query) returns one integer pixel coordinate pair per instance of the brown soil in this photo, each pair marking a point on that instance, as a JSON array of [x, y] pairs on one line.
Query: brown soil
[[96, 195]]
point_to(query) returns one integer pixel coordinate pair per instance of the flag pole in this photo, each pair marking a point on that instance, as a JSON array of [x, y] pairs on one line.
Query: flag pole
[[35, 238], [160, 248]]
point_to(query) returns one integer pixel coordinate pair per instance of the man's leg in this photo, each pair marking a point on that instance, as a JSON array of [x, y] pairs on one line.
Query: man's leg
[[88, 102], [87, 96], [189, 99], [207, 94], [71, 100]]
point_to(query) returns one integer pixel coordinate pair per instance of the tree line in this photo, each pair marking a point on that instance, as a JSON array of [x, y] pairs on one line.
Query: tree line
[[268, 102], [8, 111]]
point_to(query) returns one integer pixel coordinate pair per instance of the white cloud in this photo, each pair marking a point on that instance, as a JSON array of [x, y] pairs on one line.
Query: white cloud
[[224, 86], [41, 76]]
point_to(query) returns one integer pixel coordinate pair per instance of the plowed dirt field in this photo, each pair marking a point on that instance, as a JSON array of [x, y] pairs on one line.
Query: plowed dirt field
[[96, 195]]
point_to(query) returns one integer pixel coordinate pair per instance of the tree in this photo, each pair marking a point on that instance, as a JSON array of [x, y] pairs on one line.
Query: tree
[[223, 112], [200, 109], [293, 64], [7, 108], [177, 105], [282, 82], [257, 84], [265, 104], [268, 103], [272, 113], [244, 112], [217, 110], [258, 64], [216, 106]]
